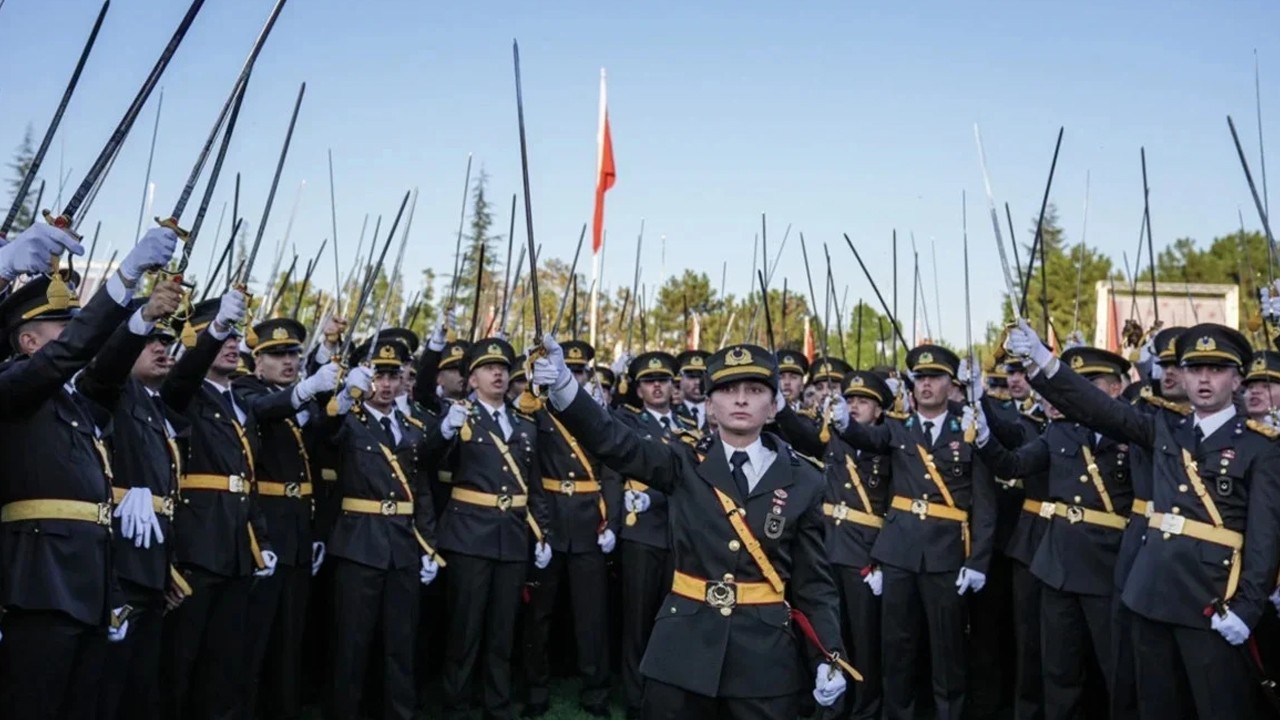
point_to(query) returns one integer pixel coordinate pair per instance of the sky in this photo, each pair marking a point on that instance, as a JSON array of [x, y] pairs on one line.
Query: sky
[[833, 117]]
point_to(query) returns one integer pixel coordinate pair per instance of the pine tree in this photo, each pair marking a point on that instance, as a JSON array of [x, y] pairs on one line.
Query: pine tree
[[479, 237], [20, 164]]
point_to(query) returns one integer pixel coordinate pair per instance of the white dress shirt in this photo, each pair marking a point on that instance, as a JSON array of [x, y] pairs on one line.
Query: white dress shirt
[[759, 458], [240, 416], [937, 425], [1209, 424], [503, 421], [377, 419], [669, 416]]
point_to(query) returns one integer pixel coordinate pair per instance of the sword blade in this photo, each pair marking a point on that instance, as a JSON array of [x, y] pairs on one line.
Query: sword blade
[[271, 194]]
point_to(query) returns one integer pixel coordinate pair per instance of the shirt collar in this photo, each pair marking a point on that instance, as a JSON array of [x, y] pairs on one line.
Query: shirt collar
[[938, 422], [490, 410], [1209, 425], [756, 453], [377, 416], [671, 419]]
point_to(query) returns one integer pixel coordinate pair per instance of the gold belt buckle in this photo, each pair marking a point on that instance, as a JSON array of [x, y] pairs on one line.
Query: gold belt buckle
[[236, 484], [104, 514], [1172, 524], [567, 487], [388, 507], [293, 490], [167, 506], [920, 508], [722, 595], [1075, 514], [504, 502], [1047, 509]]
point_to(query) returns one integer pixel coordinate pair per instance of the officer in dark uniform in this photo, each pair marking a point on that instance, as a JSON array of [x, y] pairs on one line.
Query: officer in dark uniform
[[286, 491], [518, 380], [1088, 507], [646, 557], [220, 540], [826, 374], [607, 380], [747, 533], [793, 366], [937, 540], [1213, 537], [585, 501], [693, 400], [856, 498], [1262, 386], [380, 536], [496, 519], [58, 588]]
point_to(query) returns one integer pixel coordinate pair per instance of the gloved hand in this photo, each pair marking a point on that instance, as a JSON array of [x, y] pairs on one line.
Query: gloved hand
[[984, 430], [429, 570], [1075, 338], [323, 380], [1024, 342], [1147, 353], [970, 580], [828, 686], [439, 336], [875, 581], [138, 521], [550, 371], [606, 540], [116, 634], [231, 309], [360, 379], [33, 250], [839, 413], [153, 251], [269, 565], [1157, 372], [1230, 627], [968, 419], [1269, 300], [541, 555], [635, 501], [963, 371], [317, 557], [454, 420], [619, 366]]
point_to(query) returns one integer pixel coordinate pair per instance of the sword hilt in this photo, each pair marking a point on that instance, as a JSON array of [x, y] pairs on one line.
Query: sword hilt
[[172, 224]]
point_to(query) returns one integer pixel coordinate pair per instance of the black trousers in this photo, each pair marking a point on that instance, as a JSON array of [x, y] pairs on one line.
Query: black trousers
[[131, 673], [646, 580], [368, 600], [202, 649], [1028, 689], [586, 576], [273, 649], [992, 652], [910, 601], [50, 664], [484, 600], [1176, 664], [1069, 625], [668, 702], [1123, 682], [861, 621]]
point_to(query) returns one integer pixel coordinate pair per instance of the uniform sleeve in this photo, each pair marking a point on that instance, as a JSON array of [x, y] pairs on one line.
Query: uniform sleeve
[[618, 447], [188, 373], [266, 405], [611, 488], [424, 390], [1079, 400], [869, 438], [1010, 434], [1262, 538], [104, 378], [800, 432], [813, 590], [982, 517], [1030, 458], [424, 513]]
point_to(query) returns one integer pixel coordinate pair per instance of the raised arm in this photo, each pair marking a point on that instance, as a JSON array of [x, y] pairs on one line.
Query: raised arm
[[1030, 458], [802, 433], [1079, 400]]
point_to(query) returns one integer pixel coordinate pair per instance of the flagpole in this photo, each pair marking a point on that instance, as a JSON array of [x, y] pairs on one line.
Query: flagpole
[[602, 184]]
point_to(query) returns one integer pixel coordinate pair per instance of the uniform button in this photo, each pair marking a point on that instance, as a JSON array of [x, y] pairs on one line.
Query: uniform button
[[570, 474], [673, 611], [75, 424], [1226, 562], [1182, 488], [1077, 499], [1177, 511], [848, 486], [726, 611], [1084, 478], [728, 577], [1166, 536], [504, 468], [504, 488], [216, 416], [734, 545], [393, 496]]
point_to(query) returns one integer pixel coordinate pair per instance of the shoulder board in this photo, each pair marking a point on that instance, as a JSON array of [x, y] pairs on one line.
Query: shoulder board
[[523, 416], [1262, 429], [897, 415], [1162, 403], [796, 457], [413, 421], [633, 409], [703, 444]]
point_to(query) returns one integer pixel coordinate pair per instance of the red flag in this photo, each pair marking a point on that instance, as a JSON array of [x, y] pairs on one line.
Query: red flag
[[606, 172], [809, 348], [1113, 324]]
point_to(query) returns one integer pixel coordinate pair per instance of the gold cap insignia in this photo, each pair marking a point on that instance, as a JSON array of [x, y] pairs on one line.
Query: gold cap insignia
[[1077, 362], [925, 358], [696, 361], [1206, 344], [825, 369], [455, 351], [737, 356], [494, 349], [1172, 344], [1259, 365], [575, 353], [857, 381], [655, 363], [386, 352], [279, 334]]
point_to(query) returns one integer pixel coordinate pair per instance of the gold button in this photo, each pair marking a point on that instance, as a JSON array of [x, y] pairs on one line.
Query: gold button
[[728, 577], [1084, 478], [848, 486], [1182, 488], [1226, 562], [504, 488], [570, 474], [734, 545]]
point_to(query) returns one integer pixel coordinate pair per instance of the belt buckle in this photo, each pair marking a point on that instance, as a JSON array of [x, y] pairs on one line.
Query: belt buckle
[[236, 484], [1047, 509], [1172, 524], [1075, 514], [388, 507], [841, 512], [1146, 512], [567, 487], [104, 514], [920, 508], [721, 594], [504, 502], [167, 506], [293, 490]]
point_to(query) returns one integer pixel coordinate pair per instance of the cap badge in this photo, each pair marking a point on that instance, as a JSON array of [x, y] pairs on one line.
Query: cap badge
[[279, 334], [575, 353], [737, 356], [857, 381], [696, 361], [1206, 344], [1077, 362], [925, 358], [494, 349], [387, 352], [455, 351], [655, 363], [1259, 365]]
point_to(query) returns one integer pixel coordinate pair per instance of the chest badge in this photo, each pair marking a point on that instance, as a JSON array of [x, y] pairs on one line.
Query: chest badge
[[773, 526]]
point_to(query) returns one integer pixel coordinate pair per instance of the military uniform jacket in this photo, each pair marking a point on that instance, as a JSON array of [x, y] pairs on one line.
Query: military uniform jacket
[[576, 518], [1018, 532], [480, 464], [1140, 479], [1174, 576], [848, 543], [931, 544], [212, 528], [1075, 557], [283, 456], [47, 442], [750, 652], [386, 542], [143, 455], [651, 527]]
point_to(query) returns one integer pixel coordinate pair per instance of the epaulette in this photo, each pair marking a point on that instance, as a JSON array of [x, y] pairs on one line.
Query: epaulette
[[796, 457], [525, 416], [1160, 402], [703, 444], [633, 409], [413, 421], [1262, 429], [897, 415]]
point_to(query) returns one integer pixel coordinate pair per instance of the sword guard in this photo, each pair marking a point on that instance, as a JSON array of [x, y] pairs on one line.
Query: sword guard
[[172, 224], [63, 223]]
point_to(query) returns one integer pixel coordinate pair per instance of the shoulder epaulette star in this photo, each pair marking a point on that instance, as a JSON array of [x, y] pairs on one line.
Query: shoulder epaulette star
[[796, 457], [703, 444], [1262, 429]]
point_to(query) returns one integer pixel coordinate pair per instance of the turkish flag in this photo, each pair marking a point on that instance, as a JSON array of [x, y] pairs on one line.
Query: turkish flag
[[606, 172]]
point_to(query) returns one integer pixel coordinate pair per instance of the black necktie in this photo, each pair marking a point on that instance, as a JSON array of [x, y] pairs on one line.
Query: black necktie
[[159, 406], [737, 460], [693, 410], [230, 404], [666, 423], [928, 430], [386, 427], [1199, 435]]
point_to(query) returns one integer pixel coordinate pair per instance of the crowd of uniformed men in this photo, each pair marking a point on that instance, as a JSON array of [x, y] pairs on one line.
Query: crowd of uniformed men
[[201, 518]]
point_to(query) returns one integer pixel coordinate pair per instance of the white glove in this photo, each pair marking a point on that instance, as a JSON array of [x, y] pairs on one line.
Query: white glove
[[839, 413], [429, 569], [33, 250], [984, 430], [875, 581], [154, 250], [269, 563], [1024, 342], [1075, 338], [970, 580], [436, 342], [1230, 627], [116, 634], [963, 372], [323, 380], [317, 557], [550, 371], [1275, 599], [360, 378], [541, 555], [635, 501], [828, 686], [619, 366], [454, 420], [1269, 301], [231, 309], [597, 393], [606, 540], [138, 521], [968, 419], [1147, 353]]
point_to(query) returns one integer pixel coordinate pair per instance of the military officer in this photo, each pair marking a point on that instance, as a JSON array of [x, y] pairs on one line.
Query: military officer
[[722, 644], [692, 401], [793, 366], [826, 374], [1213, 538], [938, 536], [607, 380], [1262, 385]]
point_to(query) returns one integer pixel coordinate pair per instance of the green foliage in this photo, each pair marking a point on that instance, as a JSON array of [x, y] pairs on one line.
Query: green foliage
[[1067, 268], [22, 159]]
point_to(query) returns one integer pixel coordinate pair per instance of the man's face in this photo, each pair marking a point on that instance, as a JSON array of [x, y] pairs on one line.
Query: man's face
[[792, 385], [1171, 385], [153, 364], [410, 380], [386, 387], [1019, 388], [932, 392], [864, 410], [655, 393], [742, 407], [677, 396], [827, 387], [515, 388], [810, 396], [490, 381], [1260, 396], [691, 387], [228, 358], [278, 368], [35, 335], [1210, 388], [451, 382], [1109, 384]]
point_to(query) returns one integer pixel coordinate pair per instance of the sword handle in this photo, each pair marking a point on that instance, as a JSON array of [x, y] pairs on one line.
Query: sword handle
[[331, 408]]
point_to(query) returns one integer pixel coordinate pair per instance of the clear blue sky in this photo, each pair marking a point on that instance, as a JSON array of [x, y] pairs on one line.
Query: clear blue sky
[[833, 116]]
